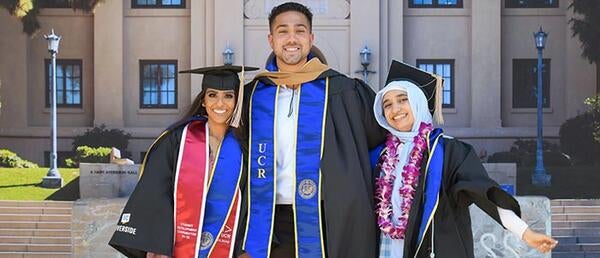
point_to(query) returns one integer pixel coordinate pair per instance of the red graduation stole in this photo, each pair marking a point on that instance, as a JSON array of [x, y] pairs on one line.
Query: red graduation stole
[[192, 198]]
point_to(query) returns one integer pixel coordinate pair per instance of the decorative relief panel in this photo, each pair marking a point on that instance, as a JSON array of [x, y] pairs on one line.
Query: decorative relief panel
[[328, 9]]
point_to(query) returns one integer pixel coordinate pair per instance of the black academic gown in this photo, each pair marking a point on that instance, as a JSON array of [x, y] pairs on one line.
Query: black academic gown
[[464, 182], [151, 203], [348, 182]]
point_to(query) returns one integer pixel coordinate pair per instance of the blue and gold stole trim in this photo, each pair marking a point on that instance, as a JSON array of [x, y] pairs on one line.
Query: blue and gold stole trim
[[222, 202], [262, 179], [432, 180], [309, 150]]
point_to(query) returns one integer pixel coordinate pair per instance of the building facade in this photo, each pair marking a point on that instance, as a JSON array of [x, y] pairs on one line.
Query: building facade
[[118, 66]]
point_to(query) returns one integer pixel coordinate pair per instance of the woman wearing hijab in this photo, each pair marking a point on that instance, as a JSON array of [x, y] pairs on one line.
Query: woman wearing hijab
[[189, 198], [427, 180]]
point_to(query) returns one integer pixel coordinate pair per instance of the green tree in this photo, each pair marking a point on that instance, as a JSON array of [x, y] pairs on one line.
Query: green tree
[[27, 10], [586, 26], [594, 103]]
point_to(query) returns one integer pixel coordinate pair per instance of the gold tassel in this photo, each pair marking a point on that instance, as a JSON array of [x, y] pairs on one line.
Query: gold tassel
[[236, 117], [437, 113]]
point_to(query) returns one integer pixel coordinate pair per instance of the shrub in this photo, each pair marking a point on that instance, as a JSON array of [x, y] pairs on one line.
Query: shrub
[[523, 152], [88, 154], [11, 160], [577, 138], [99, 136]]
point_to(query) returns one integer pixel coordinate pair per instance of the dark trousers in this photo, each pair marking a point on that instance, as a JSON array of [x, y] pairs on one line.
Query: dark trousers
[[283, 245]]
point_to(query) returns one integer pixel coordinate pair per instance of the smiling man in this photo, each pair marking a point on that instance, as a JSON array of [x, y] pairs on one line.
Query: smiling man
[[310, 131]]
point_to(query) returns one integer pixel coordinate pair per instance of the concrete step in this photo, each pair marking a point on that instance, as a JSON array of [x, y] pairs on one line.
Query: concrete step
[[575, 254], [34, 240], [576, 217], [35, 210], [575, 202], [575, 209], [586, 232], [63, 204], [575, 224], [35, 217], [34, 225], [577, 239], [35, 248], [35, 255], [578, 247], [36, 232]]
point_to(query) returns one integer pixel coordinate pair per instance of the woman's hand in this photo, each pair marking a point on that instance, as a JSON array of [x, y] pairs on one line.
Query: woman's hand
[[541, 242], [153, 255], [244, 255]]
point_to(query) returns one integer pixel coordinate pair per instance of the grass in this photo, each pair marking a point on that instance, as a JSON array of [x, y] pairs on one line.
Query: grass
[[577, 182], [24, 183]]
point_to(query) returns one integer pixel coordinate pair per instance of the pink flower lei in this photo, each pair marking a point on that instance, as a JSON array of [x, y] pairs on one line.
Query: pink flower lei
[[410, 175]]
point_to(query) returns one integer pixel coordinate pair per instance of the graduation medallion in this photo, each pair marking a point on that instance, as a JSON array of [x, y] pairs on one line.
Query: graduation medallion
[[206, 240], [307, 189]]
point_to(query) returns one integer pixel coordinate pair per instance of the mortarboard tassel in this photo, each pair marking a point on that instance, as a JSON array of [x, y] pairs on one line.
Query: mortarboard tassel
[[236, 117], [437, 113]]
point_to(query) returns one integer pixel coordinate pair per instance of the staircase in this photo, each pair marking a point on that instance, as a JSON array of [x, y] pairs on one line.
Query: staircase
[[576, 226], [40, 229]]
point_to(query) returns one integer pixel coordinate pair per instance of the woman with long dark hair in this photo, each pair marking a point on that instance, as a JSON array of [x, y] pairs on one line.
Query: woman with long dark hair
[[189, 199]]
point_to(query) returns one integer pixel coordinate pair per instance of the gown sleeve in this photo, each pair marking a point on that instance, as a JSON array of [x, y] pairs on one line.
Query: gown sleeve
[[146, 224], [469, 182], [366, 98]]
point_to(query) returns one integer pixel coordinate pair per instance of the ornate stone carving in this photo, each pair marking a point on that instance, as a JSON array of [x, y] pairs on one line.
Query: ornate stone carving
[[328, 9]]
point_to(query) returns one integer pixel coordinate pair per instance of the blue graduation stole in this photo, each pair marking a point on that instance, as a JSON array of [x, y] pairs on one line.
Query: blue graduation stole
[[222, 202], [262, 177], [432, 180]]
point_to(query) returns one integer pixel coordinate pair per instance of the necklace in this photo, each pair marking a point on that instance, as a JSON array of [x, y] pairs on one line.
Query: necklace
[[410, 175]]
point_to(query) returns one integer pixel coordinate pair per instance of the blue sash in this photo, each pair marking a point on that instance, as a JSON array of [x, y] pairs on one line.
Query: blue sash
[[263, 173], [223, 186], [433, 180]]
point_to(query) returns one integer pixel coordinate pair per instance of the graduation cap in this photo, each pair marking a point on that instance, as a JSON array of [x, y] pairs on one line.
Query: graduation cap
[[225, 77], [431, 85]]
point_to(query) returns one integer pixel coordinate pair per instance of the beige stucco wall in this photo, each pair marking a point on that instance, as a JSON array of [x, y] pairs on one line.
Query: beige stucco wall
[[152, 35], [13, 71]]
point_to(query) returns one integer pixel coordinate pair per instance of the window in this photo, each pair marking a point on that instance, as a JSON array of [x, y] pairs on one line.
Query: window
[[55, 4], [531, 4], [444, 68], [435, 3], [158, 4], [68, 82], [525, 83], [158, 83]]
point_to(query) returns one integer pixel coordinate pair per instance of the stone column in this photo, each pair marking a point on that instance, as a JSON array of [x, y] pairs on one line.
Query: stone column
[[364, 30], [197, 43], [108, 64], [229, 29], [392, 44], [486, 53]]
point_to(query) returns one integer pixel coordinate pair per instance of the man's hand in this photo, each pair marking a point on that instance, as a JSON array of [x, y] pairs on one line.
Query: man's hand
[[541, 242]]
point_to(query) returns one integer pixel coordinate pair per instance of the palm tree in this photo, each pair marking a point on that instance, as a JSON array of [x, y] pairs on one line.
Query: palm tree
[[27, 10], [587, 27]]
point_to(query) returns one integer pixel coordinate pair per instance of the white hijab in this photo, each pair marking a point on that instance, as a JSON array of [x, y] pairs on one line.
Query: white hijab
[[420, 110], [418, 105]]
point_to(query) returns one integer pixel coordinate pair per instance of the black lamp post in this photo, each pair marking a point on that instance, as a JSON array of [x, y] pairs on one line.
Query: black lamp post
[[540, 177], [53, 178]]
